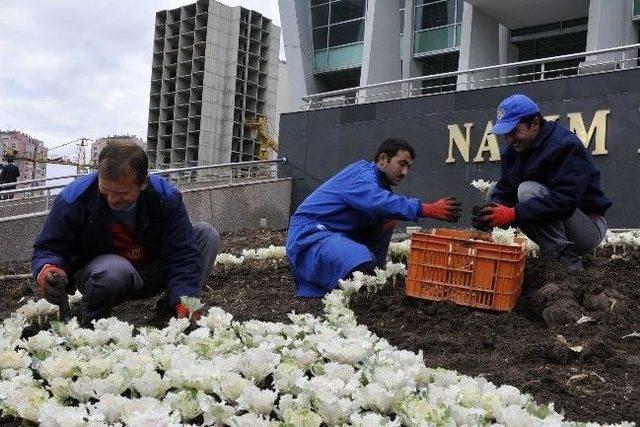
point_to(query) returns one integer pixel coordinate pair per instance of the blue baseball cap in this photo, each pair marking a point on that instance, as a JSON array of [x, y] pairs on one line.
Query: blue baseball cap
[[511, 111]]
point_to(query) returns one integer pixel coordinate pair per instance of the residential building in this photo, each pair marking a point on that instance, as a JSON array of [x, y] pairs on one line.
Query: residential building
[[100, 143], [214, 69], [339, 44], [29, 153]]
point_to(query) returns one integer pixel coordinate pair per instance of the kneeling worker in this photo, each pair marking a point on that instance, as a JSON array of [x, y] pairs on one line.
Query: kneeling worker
[[550, 186], [120, 234], [345, 225]]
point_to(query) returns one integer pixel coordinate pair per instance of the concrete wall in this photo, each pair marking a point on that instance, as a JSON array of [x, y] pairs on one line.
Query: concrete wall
[[381, 54], [295, 16], [319, 143], [479, 47], [229, 208]]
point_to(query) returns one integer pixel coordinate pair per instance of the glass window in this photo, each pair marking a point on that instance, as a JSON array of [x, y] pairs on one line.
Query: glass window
[[317, 2], [347, 56], [436, 39], [320, 38], [435, 15], [320, 15], [320, 60], [346, 10], [636, 7], [350, 32]]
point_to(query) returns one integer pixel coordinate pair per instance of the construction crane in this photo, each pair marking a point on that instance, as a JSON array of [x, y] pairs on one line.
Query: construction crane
[[38, 156], [265, 139]]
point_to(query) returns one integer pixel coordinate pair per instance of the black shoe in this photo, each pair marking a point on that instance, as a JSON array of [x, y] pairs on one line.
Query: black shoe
[[162, 313]]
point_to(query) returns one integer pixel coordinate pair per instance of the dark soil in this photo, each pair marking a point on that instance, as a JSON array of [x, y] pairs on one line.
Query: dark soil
[[528, 348]]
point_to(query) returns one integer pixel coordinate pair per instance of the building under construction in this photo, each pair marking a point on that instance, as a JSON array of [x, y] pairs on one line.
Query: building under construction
[[214, 69]]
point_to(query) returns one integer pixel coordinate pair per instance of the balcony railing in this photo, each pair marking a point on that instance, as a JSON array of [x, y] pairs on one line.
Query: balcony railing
[[592, 62]]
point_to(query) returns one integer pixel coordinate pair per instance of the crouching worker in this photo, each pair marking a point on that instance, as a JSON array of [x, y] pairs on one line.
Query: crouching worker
[[121, 234], [346, 224], [550, 186]]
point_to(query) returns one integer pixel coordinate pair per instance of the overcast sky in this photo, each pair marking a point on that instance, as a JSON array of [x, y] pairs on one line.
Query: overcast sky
[[78, 68]]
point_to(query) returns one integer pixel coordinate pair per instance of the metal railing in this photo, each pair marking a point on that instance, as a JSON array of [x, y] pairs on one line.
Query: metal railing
[[597, 61], [211, 175]]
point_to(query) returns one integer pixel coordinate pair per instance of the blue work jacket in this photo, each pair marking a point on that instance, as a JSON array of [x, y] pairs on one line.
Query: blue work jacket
[[350, 203], [77, 230], [559, 161]]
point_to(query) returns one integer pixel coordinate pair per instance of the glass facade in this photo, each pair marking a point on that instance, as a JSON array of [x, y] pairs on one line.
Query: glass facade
[[636, 7], [437, 25], [338, 33]]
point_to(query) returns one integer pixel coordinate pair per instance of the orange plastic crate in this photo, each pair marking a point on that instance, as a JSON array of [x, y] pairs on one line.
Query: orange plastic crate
[[455, 265]]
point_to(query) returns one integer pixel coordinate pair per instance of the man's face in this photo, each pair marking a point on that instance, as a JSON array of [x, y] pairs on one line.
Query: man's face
[[122, 192], [523, 135], [396, 167]]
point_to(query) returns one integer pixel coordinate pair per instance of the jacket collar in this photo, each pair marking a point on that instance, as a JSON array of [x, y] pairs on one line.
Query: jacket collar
[[546, 130]]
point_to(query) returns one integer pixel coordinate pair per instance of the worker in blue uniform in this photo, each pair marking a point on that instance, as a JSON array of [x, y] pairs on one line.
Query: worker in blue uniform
[[549, 187], [345, 225]]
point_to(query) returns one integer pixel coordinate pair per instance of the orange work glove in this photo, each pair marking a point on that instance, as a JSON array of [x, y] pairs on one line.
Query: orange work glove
[[447, 209], [495, 215], [183, 311], [52, 284]]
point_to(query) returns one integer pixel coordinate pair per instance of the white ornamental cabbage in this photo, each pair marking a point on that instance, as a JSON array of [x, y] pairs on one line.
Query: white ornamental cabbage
[[118, 331], [228, 259], [38, 312], [58, 365], [252, 420], [256, 400], [302, 417], [25, 402], [185, 402], [42, 342], [14, 359], [377, 398], [285, 377], [256, 364], [504, 236], [333, 409], [150, 384], [214, 412], [231, 385], [216, 318], [371, 419], [53, 414]]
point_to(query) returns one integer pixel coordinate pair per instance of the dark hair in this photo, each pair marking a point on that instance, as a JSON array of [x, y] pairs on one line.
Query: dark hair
[[391, 146], [118, 158], [529, 119]]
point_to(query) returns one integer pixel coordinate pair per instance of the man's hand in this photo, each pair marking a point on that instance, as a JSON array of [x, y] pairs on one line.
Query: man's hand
[[447, 209], [183, 311], [52, 283], [495, 215]]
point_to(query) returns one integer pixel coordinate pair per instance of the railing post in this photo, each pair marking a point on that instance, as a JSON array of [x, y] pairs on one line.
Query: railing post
[[542, 69], [230, 175], [47, 198]]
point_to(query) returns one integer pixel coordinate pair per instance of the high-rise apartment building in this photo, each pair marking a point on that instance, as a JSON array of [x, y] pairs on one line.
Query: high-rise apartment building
[[215, 68], [339, 44], [100, 143], [29, 153]]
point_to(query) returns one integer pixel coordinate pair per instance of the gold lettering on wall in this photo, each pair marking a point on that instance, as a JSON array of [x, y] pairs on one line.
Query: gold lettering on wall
[[489, 143], [462, 142], [598, 128]]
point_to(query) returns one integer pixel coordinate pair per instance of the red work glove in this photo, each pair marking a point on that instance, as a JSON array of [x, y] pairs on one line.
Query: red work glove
[[447, 209], [183, 311], [495, 215], [52, 284]]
